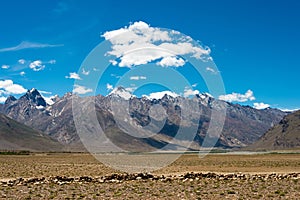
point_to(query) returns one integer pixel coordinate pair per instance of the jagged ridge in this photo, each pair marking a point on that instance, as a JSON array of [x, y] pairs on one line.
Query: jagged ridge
[[243, 126]]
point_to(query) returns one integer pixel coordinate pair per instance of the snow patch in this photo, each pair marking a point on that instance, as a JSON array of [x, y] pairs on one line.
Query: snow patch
[[159, 95], [40, 107], [121, 92]]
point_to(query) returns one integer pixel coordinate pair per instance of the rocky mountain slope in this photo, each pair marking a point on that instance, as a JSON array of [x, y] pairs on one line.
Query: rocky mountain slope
[[285, 135], [243, 125], [17, 136]]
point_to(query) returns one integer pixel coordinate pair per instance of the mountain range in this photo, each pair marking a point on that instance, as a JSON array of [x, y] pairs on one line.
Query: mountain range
[[243, 126]]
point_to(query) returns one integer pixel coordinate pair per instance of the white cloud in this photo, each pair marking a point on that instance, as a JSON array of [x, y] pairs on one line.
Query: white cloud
[[260, 106], [78, 89], [171, 61], [2, 99], [289, 110], [136, 78], [141, 56], [8, 87], [212, 70], [113, 62], [130, 89], [5, 66], [236, 97], [140, 44], [159, 95], [109, 87], [44, 92], [22, 73], [85, 72], [189, 92], [29, 45], [138, 30], [37, 65], [183, 48], [73, 75], [22, 61]]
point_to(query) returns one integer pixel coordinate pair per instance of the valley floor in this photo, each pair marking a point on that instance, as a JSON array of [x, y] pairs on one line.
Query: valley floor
[[77, 176]]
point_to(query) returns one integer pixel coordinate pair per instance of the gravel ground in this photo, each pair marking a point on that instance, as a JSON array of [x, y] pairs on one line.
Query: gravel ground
[[148, 186], [80, 176]]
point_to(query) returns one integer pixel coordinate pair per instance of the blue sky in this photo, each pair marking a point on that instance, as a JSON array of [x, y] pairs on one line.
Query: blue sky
[[254, 45]]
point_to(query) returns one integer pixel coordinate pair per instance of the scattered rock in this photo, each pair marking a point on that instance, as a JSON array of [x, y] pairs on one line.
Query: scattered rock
[[118, 178]]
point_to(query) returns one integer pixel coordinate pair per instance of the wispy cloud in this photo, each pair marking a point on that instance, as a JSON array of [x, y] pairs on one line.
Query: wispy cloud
[[289, 109], [52, 62], [195, 84], [22, 61], [136, 78], [44, 92], [85, 72], [212, 70], [29, 45]]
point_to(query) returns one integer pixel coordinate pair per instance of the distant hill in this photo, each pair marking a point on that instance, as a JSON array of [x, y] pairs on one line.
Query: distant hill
[[285, 135], [16, 136]]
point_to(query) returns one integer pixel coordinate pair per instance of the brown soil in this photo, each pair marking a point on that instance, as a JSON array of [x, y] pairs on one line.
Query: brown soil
[[262, 176]]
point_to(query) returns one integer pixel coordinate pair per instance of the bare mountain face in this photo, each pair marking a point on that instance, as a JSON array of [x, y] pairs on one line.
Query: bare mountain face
[[285, 135], [243, 124], [17, 136]]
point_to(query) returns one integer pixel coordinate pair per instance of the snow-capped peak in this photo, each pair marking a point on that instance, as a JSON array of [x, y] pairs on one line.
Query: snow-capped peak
[[121, 92], [33, 90], [51, 100], [160, 95]]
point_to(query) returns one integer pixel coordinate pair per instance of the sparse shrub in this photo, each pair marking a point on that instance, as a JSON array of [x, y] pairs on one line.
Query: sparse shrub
[[230, 192]]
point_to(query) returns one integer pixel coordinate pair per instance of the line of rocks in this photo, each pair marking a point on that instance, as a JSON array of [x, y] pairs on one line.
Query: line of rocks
[[118, 178]]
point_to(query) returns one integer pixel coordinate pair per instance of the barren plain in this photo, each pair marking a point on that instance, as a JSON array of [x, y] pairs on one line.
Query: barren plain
[[215, 176]]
